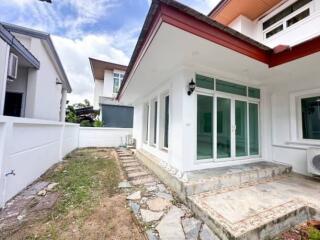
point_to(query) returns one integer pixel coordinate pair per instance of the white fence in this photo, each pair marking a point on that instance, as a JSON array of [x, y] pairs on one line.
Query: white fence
[[103, 137], [28, 147]]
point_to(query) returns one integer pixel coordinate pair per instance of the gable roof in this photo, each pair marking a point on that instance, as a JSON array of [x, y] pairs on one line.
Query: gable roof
[[18, 47], [188, 19], [48, 43], [227, 10], [98, 67]]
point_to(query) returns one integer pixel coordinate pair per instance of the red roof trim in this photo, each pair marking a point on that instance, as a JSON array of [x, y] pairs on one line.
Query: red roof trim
[[192, 25], [301, 50]]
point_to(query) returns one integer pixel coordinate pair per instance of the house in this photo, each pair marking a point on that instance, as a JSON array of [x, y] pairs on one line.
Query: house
[[33, 81], [238, 86], [107, 80]]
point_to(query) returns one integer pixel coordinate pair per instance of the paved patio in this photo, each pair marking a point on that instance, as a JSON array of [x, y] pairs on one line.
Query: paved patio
[[261, 210], [251, 201]]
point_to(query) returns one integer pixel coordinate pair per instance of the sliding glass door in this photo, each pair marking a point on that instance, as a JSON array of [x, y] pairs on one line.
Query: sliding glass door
[[227, 128]]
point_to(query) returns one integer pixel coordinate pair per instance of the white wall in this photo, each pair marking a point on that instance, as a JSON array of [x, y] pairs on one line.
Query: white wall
[[103, 137], [4, 56], [98, 91], [29, 147], [44, 95]]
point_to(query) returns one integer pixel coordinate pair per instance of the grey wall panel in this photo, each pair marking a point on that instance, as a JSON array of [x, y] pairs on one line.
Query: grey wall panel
[[117, 116]]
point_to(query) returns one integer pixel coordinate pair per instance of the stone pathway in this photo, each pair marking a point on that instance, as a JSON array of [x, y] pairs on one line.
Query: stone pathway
[[155, 207], [32, 203]]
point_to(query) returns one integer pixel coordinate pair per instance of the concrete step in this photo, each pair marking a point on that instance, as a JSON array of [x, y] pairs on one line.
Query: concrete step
[[136, 175], [142, 180], [233, 176], [128, 160], [132, 164], [133, 169]]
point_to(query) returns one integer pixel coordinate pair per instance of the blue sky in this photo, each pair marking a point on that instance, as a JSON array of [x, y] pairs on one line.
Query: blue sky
[[104, 29]]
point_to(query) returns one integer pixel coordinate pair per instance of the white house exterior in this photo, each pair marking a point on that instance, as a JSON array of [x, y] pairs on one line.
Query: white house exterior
[[107, 81], [33, 134], [256, 98], [39, 90]]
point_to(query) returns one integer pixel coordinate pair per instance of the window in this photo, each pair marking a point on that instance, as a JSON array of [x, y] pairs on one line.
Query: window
[[117, 79], [153, 122], [254, 128], [310, 111], [166, 122], [204, 127], [298, 17], [274, 31], [233, 88], [146, 123], [204, 82], [284, 13]]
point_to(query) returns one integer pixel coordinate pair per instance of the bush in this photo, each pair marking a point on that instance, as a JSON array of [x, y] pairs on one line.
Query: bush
[[85, 123], [314, 234], [98, 123]]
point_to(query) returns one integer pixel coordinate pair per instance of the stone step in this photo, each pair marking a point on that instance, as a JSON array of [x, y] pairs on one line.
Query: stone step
[[142, 180], [133, 164], [136, 175], [133, 169], [128, 161], [217, 179]]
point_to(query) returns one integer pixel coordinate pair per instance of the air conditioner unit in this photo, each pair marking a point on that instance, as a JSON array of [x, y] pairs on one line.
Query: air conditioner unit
[[313, 157], [13, 66]]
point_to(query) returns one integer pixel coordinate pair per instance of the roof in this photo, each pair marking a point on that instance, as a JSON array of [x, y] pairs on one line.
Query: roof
[[98, 67], [227, 10], [47, 39], [188, 19], [19, 47]]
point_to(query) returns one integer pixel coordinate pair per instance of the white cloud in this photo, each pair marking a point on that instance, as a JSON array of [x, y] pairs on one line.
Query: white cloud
[[74, 55]]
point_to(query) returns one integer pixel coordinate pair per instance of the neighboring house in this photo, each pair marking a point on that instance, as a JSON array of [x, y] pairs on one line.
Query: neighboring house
[[33, 83], [257, 85], [107, 80]]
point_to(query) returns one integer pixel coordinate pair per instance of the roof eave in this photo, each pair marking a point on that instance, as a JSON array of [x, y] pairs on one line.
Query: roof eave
[[19, 47]]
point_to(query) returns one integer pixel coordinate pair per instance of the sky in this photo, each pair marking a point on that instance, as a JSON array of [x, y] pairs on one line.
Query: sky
[[102, 29]]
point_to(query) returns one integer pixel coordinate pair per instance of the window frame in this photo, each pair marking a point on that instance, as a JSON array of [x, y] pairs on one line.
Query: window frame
[[146, 122], [119, 77], [162, 123]]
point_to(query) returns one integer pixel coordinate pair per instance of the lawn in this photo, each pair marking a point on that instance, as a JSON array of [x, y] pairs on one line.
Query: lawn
[[90, 205]]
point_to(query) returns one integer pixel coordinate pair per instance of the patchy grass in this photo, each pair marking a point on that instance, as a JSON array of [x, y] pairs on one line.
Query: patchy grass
[[313, 233], [90, 206]]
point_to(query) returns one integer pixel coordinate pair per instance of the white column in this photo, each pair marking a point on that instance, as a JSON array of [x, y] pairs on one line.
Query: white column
[[31, 94], [63, 105]]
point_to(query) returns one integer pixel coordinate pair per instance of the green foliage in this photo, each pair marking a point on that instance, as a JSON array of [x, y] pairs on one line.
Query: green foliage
[[314, 234], [71, 115], [85, 123], [98, 123]]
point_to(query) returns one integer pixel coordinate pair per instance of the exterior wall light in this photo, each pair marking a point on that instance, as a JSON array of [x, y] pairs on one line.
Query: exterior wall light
[[191, 87]]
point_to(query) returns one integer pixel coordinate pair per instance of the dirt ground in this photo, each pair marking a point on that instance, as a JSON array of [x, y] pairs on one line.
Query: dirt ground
[[90, 205]]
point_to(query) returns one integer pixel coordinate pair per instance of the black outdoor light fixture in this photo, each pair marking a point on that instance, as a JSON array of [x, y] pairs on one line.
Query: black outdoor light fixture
[[191, 87]]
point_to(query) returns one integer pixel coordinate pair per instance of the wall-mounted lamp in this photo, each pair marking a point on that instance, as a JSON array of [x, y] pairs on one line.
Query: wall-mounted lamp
[[191, 87]]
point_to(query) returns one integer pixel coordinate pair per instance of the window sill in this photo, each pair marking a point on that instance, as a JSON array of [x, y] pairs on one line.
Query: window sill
[[305, 143], [165, 149]]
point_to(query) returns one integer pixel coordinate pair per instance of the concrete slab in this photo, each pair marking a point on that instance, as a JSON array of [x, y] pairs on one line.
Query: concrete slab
[[248, 212]]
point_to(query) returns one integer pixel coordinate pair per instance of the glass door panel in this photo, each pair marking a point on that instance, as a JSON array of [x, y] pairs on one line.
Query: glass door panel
[[223, 127], [241, 128], [204, 127], [254, 128]]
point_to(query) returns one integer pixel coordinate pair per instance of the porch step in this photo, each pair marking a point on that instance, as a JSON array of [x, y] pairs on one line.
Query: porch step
[[133, 169], [128, 160], [231, 177], [132, 164], [136, 175]]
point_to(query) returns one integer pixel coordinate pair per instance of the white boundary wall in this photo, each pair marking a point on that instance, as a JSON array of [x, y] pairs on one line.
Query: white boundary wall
[[28, 147], [103, 137]]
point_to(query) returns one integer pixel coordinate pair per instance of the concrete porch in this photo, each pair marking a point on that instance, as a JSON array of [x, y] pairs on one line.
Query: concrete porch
[[250, 201]]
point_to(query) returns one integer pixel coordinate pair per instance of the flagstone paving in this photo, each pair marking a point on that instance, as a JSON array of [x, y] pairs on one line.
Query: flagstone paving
[[155, 207]]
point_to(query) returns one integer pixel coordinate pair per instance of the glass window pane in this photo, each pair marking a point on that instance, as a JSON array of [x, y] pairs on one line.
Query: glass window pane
[[311, 117], [254, 92], [233, 88], [298, 17], [204, 82], [241, 128], [274, 31], [223, 128], [166, 122], [204, 127], [254, 128], [146, 126], [116, 75], [155, 122]]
